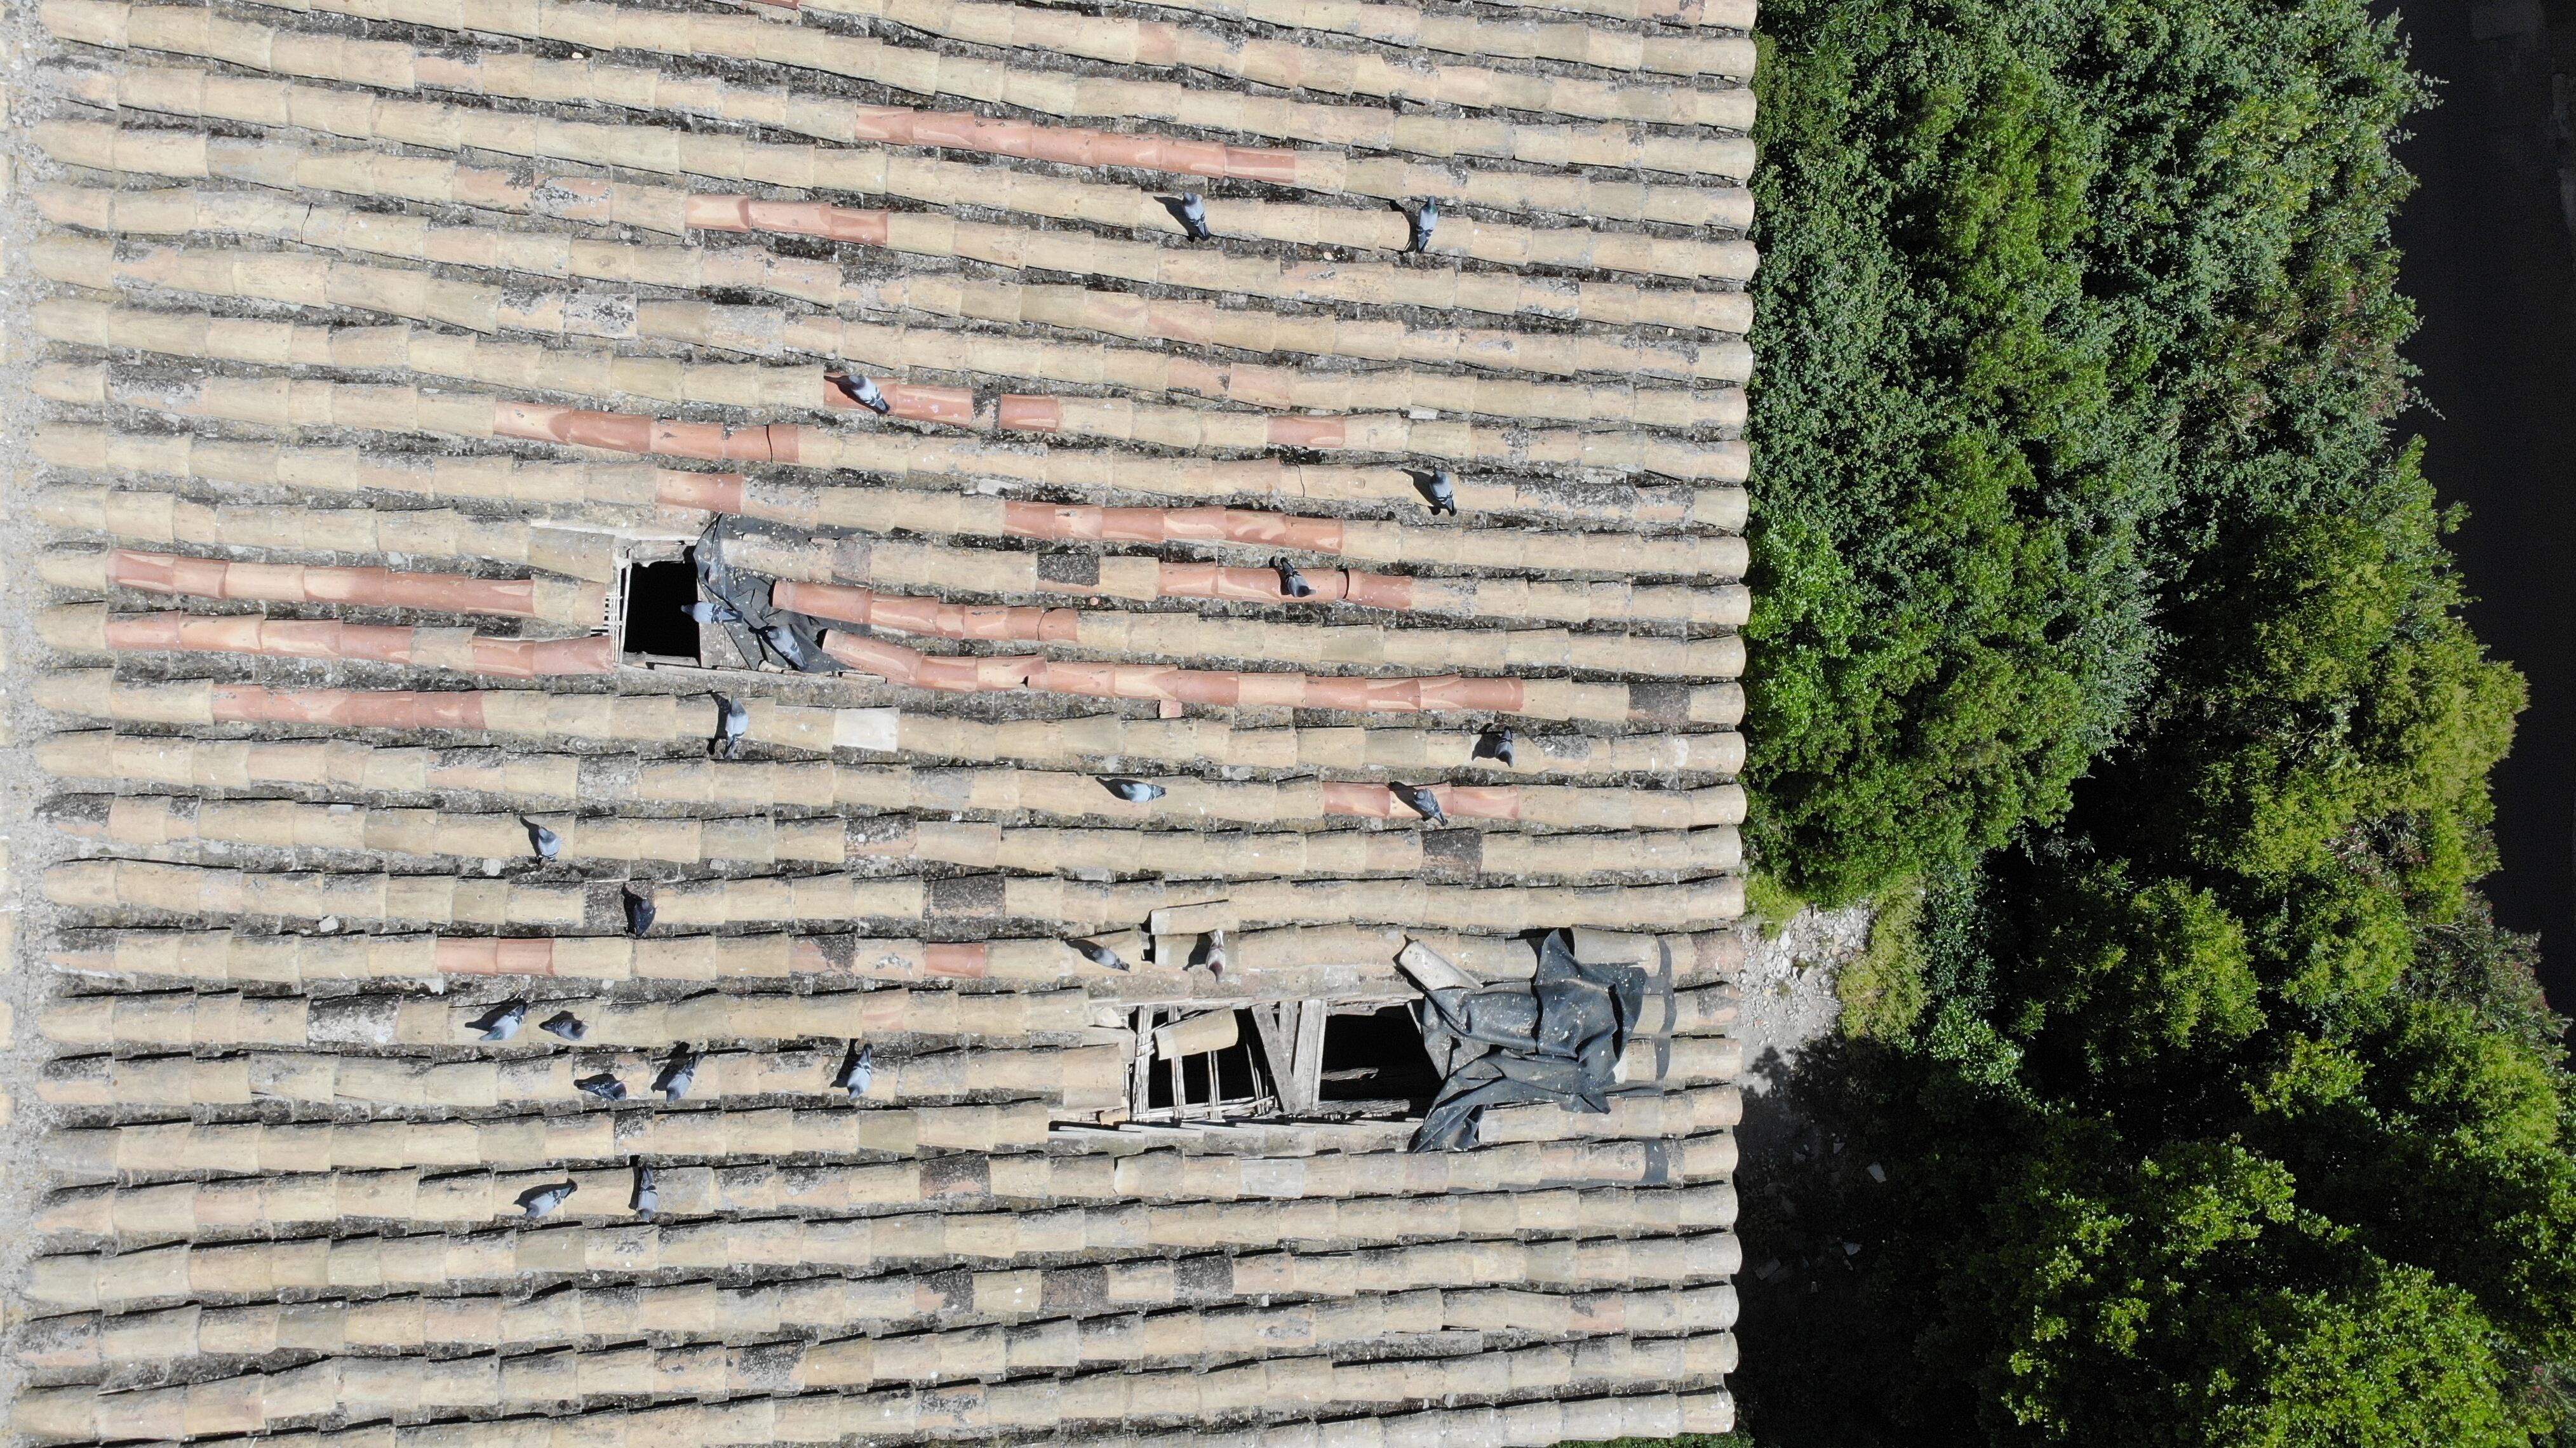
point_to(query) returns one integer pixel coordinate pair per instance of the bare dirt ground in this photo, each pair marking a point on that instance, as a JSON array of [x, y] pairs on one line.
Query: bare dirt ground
[[1789, 1006]]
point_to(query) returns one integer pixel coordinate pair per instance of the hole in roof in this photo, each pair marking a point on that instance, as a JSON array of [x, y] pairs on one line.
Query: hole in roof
[[658, 596], [1378, 1058], [1233, 1080]]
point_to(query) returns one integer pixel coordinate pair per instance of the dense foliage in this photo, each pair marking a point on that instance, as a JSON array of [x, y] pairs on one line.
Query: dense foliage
[[2107, 635], [2051, 295]]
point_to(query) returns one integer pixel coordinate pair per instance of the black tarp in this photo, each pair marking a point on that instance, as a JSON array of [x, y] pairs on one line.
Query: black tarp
[[1556, 1039], [759, 629]]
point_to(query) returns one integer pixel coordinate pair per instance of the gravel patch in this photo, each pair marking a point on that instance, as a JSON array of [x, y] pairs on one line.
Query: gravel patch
[[1788, 986]]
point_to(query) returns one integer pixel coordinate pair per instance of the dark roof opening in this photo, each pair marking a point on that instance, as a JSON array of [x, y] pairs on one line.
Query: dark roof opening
[[1231, 1081], [658, 596], [1377, 1063]]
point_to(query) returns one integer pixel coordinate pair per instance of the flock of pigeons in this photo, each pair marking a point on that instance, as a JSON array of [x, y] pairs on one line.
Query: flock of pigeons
[[1422, 218], [679, 1073], [733, 724]]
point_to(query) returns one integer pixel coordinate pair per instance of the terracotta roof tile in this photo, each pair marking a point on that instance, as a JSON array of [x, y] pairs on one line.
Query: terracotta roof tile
[[420, 456]]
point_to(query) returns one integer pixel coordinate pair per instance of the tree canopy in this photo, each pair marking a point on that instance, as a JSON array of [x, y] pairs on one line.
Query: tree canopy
[[2105, 629]]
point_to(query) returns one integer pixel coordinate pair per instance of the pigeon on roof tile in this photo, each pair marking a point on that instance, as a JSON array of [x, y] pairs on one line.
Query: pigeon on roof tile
[[1192, 211], [861, 390], [564, 1024], [1442, 491], [1291, 582], [733, 724], [1420, 800], [858, 1071], [678, 1074], [542, 1201], [603, 1085], [1425, 219], [716, 612], [544, 841], [1098, 954], [639, 912], [1497, 745], [790, 648], [647, 1199], [1208, 955], [502, 1021], [1134, 791]]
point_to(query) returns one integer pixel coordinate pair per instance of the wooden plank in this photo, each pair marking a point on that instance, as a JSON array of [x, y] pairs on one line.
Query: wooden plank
[[1141, 1064], [1278, 1043], [1304, 1089]]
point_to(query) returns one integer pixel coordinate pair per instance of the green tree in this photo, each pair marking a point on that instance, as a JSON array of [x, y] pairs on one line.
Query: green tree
[[2188, 1299], [2098, 604], [2124, 975]]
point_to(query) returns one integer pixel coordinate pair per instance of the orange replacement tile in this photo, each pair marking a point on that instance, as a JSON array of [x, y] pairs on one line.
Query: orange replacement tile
[[294, 583]]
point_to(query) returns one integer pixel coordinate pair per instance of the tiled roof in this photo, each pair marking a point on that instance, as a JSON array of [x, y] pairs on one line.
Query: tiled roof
[[474, 1018]]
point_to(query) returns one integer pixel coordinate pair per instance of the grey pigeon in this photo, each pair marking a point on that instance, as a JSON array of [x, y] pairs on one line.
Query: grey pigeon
[[713, 612], [861, 390], [733, 722], [1292, 582], [648, 1191], [1425, 218], [783, 639], [604, 1085], [1497, 745], [502, 1022], [858, 1071], [678, 1074], [544, 841], [1098, 954], [564, 1024], [1208, 955], [542, 1201], [1443, 493], [1134, 791], [639, 913], [1420, 800], [1193, 214]]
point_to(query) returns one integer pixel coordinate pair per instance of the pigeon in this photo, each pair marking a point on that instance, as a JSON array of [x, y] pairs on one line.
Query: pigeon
[[858, 1070], [1292, 582], [1420, 800], [503, 1021], [1098, 954], [542, 1201], [1134, 791], [733, 722], [564, 1024], [1193, 214], [1426, 219], [678, 1074], [861, 390], [1443, 493], [604, 1086], [639, 913], [544, 841], [1497, 745], [648, 1192], [1208, 955], [717, 612], [780, 637]]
